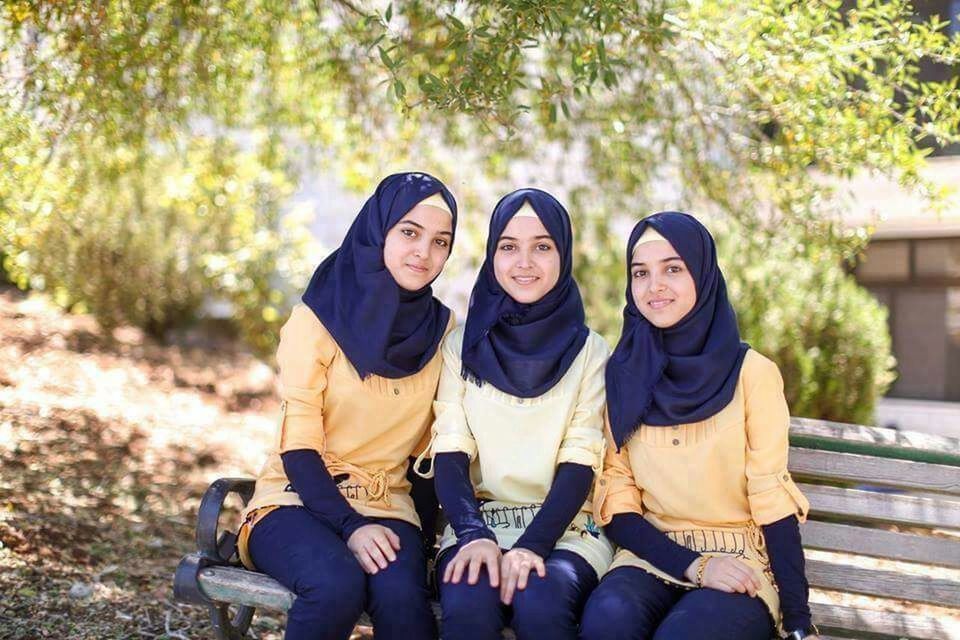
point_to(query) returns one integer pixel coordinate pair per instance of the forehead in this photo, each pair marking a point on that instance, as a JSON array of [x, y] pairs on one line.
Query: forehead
[[654, 251], [429, 217], [525, 227]]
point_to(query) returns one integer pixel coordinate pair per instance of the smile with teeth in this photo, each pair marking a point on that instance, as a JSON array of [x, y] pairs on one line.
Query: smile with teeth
[[660, 303], [525, 279]]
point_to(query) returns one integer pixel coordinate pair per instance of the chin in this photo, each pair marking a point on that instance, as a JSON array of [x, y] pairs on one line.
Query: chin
[[526, 297]]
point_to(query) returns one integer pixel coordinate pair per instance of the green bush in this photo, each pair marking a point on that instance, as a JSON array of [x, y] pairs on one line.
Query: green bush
[[797, 305], [147, 238]]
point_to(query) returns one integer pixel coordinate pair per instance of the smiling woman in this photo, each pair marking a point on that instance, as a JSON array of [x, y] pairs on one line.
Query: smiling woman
[[332, 517], [417, 247], [526, 264], [518, 436], [660, 282]]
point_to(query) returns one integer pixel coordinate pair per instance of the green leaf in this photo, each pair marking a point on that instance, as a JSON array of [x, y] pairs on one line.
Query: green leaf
[[389, 12], [385, 58]]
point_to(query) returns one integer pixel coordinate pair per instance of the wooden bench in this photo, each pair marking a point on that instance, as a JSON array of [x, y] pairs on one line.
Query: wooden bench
[[879, 497]]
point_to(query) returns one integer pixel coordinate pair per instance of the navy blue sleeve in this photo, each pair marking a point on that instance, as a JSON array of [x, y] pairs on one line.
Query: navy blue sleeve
[[634, 533], [568, 492], [787, 562], [312, 481], [425, 502], [455, 491]]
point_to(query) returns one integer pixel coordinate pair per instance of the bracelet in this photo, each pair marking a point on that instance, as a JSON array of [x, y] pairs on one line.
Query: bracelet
[[700, 567]]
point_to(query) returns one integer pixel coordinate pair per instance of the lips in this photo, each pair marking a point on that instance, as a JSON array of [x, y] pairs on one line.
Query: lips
[[659, 303], [416, 269], [525, 280]]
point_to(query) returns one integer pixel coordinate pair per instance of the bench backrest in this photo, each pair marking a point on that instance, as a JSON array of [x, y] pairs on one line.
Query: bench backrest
[[881, 494]]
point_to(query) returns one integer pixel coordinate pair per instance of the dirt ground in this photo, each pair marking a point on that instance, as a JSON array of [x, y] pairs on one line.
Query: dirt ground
[[106, 445]]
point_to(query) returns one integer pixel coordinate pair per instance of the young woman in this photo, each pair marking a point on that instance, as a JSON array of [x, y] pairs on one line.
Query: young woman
[[695, 490], [332, 518], [519, 426]]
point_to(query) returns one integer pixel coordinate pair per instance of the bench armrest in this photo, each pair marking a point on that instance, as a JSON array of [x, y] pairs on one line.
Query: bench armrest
[[218, 549]]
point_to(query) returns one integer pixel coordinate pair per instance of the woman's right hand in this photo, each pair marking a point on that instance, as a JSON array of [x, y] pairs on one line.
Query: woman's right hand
[[474, 555], [725, 573], [374, 546]]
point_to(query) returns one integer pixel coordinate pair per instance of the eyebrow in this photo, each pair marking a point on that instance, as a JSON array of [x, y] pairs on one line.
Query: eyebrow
[[642, 264], [534, 237], [422, 228]]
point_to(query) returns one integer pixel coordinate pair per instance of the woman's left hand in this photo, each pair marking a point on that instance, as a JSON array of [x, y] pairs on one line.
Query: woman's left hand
[[515, 567]]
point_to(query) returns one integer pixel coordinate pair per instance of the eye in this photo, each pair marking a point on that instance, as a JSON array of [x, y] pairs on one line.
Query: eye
[[506, 246], [639, 273], [543, 246], [408, 232], [442, 243], [674, 268]]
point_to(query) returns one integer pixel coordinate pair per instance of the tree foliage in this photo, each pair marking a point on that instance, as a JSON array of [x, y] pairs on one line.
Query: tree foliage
[[715, 106]]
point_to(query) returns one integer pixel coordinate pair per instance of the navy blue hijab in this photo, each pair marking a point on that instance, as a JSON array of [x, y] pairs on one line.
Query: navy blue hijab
[[684, 373], [524, 349], [382, 328]]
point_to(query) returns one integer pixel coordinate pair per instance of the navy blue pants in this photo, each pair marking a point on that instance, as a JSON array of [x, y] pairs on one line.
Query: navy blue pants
[[631, 604], [548, 608], [304, 554]]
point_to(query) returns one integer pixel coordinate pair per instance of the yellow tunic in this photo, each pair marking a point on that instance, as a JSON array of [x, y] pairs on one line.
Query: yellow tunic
[[515, 444], [365, 429], [710, 485]]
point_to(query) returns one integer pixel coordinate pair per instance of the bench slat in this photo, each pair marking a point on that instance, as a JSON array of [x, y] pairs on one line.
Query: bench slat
[[886, 584], [835, 618], [905, 474], [232, 584], [877, 543], [875, 441], [871, 506]]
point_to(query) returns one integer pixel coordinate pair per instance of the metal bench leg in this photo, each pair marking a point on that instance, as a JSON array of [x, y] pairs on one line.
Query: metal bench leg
[[227, 626]]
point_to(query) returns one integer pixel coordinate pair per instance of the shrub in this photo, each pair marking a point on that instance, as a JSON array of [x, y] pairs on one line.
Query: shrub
[[797, 305], [146, 238]]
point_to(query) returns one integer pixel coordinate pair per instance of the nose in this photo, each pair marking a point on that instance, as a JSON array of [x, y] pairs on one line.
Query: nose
[[656, 283], [422, 248], [524, 259]]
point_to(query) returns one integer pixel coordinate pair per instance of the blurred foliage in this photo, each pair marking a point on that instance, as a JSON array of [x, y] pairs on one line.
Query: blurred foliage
[[143, 238], [107, 110], [797, 305]]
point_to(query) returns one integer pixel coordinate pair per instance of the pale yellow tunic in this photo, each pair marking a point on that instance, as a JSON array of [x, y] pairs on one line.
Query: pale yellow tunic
[[515, 444], [365, 429], [710, 485]]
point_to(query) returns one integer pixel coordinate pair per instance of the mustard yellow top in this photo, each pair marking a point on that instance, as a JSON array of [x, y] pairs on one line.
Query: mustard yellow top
[[515, 444], [364, 429], [710, 485]]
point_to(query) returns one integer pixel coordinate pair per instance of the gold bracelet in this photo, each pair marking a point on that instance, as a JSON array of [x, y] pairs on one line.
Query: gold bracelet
[[700, 567]]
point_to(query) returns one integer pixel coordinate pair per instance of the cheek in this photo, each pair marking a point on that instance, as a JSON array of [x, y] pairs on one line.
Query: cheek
[[688, 292], [501, 267], [636, 290], [551, 267]]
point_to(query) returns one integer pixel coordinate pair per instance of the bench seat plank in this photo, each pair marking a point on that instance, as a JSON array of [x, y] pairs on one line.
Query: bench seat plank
[[855, 468], [836, 618], [239, 586], [885, 584], [872, 506], [877, 543]]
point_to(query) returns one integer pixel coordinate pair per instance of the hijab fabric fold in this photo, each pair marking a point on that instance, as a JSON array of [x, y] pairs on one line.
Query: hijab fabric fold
[[684, 373], [524, 349], [382, 328]]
